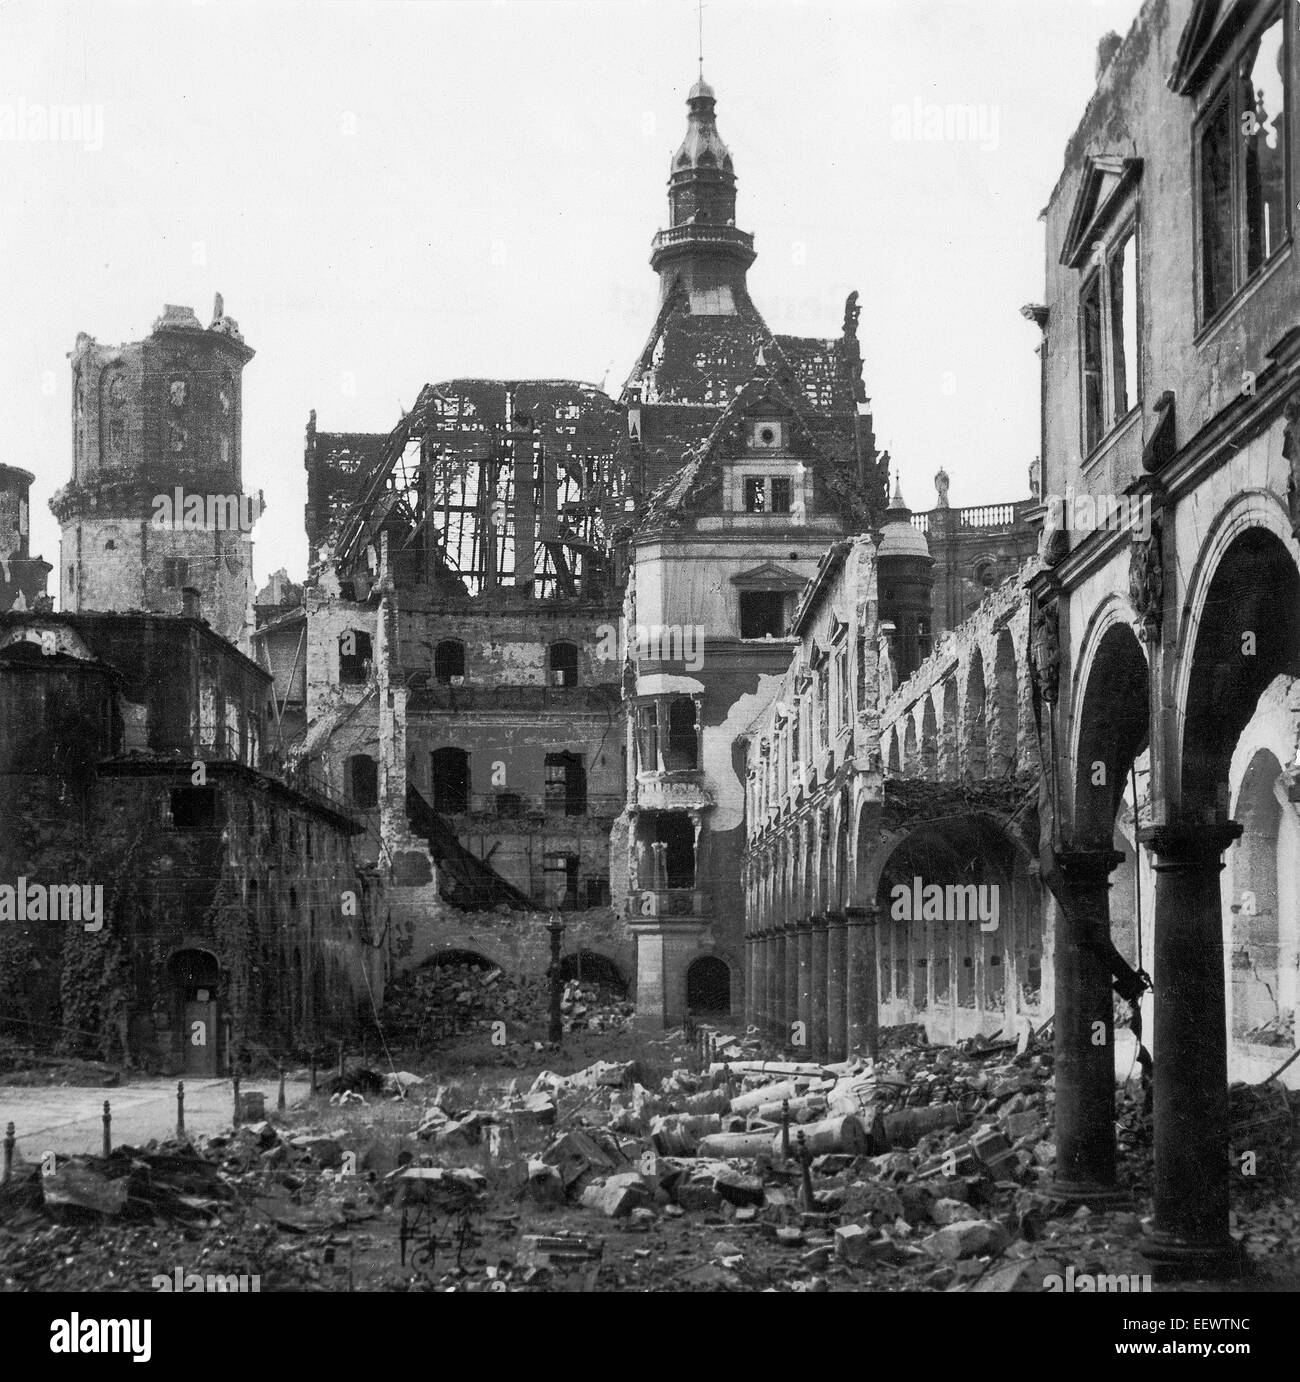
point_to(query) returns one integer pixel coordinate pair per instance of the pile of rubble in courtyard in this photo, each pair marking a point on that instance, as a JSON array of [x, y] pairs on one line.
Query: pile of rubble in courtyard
[[445, 1000], [927, 1170]]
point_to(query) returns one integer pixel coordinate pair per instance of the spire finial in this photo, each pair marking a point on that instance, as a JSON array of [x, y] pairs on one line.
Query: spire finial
[[699, 8]]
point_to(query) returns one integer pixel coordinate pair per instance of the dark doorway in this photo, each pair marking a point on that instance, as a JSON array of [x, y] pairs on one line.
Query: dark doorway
[[194, 976], [708, 987], [589, 968]]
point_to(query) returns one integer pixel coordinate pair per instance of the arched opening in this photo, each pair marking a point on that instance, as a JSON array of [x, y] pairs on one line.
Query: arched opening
[[949, 896], [1112, 733], [1249, 634], [452, 959], [949, 763], [449, 662], [1003, 706], [363, 782], [598, 971], [909, 764], [894, 768], [973, 721], [708, 987], [450, 779], [929, 742], [1255, 1007], [194, 977]]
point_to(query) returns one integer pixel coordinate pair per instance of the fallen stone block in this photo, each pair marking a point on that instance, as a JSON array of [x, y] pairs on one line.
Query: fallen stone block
[[614, 1201], [697, 1195], [972, 1238], [949, 1211], [739, 1189], [576, 1154]]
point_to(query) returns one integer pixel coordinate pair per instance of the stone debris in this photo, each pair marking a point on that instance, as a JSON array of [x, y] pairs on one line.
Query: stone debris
[[929, 1169]]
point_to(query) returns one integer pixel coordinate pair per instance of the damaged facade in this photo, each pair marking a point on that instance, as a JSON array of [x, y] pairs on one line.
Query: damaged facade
[[230, 913], [1167, 639]]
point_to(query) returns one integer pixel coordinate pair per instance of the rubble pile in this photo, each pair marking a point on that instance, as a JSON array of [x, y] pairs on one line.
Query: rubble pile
[[699, 1167], [438, 1001]]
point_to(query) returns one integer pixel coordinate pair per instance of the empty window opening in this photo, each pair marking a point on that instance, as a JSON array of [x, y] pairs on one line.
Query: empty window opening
[[194, 808], [564, 664], [363, 781], [566, 784], [683, 745], [450, 775], [762, 614], [355, 654], [449, 662]]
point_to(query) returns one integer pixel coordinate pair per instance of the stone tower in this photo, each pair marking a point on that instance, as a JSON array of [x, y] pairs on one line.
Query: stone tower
[[155, 517], [906, 586], [702, 251]]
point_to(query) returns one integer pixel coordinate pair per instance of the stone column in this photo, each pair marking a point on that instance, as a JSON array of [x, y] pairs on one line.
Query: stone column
[[790, 1004], [836, 975], [759, 1004], [1191, 1047], [805, 988], [818, 1023], [1085, 1054], [862, 997], [776, 985], [750, 972]]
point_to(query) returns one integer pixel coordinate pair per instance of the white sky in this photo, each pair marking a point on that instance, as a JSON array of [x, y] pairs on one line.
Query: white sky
[[390, 193]]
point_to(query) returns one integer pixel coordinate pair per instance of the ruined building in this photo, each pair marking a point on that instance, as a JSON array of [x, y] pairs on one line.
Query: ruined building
[[23, 577], [155, 506], [168, 896], [1166, 627]]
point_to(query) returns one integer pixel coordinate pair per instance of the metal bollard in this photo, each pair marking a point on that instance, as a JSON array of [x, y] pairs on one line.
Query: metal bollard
[[180, 1109], [785, 1130], [340, 1059], [279, 1101], [805, 1168], [9, 1153], [108, 1130], [235, 1082], [313, 1072]]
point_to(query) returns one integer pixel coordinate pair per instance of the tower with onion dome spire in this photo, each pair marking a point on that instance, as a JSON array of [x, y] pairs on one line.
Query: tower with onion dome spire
[[702, 251]]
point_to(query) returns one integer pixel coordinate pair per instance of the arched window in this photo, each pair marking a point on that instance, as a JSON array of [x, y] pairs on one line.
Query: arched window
[[564, 664], [449, 662], [450, 780]]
